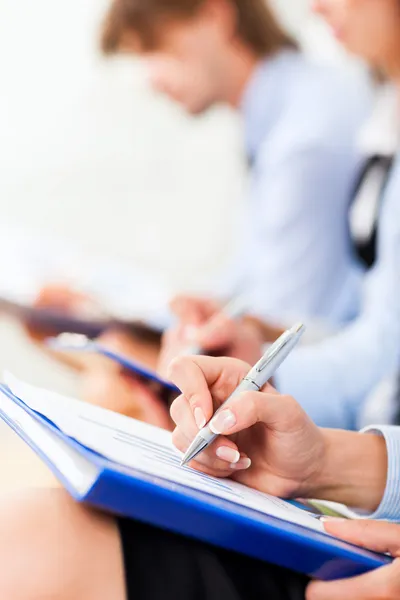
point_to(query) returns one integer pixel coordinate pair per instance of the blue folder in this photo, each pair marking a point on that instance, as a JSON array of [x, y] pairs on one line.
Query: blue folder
[[131, 493], [130, 365]]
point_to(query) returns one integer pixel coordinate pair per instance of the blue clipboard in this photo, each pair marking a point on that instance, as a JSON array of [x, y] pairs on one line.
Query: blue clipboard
[[135, 367], [168, 505]]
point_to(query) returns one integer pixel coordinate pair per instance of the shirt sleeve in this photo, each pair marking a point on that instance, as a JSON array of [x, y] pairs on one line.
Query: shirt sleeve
[[332, 379], [295, 254], [389, 509]]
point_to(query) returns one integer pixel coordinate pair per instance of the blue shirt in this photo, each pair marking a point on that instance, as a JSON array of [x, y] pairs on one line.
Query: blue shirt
[[390, 506], [332, 379], [296, 257]]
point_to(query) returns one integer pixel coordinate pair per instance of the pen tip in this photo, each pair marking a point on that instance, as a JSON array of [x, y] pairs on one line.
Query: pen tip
[[299, 327]]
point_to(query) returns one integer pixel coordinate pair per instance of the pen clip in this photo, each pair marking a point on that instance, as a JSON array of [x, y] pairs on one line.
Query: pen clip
[[273, 351], [278, 345]]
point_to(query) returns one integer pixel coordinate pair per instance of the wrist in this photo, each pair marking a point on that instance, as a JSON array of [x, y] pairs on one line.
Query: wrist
[[353, 469]]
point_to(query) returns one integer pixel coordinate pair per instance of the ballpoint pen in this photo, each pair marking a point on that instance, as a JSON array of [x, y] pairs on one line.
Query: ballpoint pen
[[254, 381], [233, 310]]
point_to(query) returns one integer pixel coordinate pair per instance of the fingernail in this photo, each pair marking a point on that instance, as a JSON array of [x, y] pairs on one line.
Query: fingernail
[[242, 464], [199, 418], [229, 454], [333, 519], [223, 421]]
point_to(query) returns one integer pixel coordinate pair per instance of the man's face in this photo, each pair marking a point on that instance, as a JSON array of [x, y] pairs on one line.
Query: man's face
[[188, 65]]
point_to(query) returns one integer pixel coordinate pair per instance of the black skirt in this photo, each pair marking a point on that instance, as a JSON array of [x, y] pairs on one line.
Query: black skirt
[[160, 566]]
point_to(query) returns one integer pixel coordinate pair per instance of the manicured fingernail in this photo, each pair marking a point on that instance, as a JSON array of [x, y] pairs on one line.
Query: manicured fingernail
[[199, 418], [244, 463], [229, 454], [223, 421]]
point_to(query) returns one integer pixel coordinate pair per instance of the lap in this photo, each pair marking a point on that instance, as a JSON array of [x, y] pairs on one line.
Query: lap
[[159, 564], [52, 547]]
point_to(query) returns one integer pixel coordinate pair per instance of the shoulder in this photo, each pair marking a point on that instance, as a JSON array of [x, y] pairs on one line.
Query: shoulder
[[323, 106]]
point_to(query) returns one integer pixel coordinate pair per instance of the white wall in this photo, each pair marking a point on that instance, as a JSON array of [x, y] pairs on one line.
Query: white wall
[[87, 152]]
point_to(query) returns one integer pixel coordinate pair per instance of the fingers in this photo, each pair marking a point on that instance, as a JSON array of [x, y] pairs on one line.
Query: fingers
[[382, 583], [173, 344], [203, 380], [69, 300], [248, 408], [218, 332], [221, 459], [193, 310], [379, 536]]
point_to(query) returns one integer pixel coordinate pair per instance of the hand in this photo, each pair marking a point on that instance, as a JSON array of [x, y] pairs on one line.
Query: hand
[[60, 299], [290, 455], [270, 444], [203, 323], [194, 310], [382, 583], [69, 301], [111, 388], [144, 351]]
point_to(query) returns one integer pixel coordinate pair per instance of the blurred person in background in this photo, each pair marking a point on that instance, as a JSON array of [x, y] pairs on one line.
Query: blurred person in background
[[333, 378], [67, 551], [300, 122]]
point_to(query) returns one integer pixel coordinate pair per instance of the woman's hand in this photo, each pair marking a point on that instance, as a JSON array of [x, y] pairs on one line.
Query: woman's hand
[[290, 456], [117, 390], [268, 441], [382, 583]]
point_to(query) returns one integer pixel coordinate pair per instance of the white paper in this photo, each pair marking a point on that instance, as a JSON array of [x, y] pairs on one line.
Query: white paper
[[145, 448]]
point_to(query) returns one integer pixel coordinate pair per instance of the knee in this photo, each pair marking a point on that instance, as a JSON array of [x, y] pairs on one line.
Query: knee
[[39, 542], [27, 537]]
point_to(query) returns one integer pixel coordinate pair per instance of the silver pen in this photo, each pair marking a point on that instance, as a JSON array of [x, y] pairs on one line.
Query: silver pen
[[234, 309], [253, 382]]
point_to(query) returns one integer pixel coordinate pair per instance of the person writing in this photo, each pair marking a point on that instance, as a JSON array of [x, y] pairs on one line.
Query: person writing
[[266, 441], [294, 253], [300, 123], [332, 378]]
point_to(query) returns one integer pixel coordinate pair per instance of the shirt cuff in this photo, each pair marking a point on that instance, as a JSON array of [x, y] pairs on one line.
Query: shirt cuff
[[389, 508]]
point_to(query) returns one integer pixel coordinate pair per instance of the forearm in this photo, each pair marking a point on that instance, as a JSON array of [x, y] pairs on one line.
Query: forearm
[[354, 471]]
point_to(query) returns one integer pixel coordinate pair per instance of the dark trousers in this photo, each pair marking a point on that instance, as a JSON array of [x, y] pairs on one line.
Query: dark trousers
[[163, 566]]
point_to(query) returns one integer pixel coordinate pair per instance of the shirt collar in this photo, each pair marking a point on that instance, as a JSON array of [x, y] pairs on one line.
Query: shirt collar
[[381, 133], [262, 98]]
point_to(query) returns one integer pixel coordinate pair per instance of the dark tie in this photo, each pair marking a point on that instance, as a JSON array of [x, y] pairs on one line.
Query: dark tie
[[376, 166]]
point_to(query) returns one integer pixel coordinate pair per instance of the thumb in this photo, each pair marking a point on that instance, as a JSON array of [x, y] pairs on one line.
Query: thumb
[[380, 583], [379, 536]]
